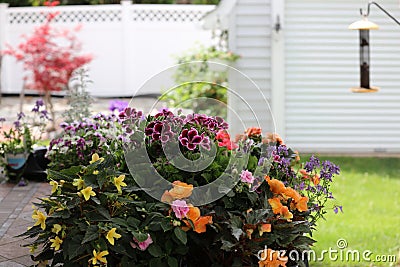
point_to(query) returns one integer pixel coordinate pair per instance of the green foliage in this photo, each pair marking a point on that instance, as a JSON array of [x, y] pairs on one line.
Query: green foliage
[[79, 99], [201, 87]]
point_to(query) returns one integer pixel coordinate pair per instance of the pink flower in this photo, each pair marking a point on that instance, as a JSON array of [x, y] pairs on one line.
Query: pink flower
[[142, 245], [247, 177], [180, 208]]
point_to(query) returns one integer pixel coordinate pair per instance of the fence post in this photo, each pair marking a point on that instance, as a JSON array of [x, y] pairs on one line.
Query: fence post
[[3, 25], [125, 6]]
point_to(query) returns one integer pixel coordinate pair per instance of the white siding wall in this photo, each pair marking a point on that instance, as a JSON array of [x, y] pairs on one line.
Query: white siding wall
[[322, 115], [250, 37]]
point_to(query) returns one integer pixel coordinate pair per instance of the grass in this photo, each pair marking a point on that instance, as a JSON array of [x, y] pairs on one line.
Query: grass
[[369, 190]]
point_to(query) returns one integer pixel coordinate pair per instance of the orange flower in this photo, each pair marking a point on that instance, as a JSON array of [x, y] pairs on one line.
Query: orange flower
[[253, 131], [304, 173], [193, 213], [316, 179], [264, 228], [291, 193], [167, 197], [301, 205], [271, 258], [286, 213], [240, 137], [249, 232], [200, 224], [181, 190], [276, 186], [276, 205], [273, 138]]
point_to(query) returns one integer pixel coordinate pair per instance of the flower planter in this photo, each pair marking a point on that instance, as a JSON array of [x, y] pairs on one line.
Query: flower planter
[[36, 165], [15, 166]]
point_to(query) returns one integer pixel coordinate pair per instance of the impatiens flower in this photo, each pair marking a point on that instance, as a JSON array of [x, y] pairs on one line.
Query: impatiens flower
[[79, 183], [54, 185], [56, 243], [264, 228], [95, 158], [142, 245], [180, 208], [246, 177], [99, 256], [119, 181], [181, 190], [88, 192], [40, 219], [56, 228], [276, 186], [111, 235], [271, 258]]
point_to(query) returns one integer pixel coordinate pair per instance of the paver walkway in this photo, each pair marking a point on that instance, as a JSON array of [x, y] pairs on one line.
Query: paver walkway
[[15, 217]]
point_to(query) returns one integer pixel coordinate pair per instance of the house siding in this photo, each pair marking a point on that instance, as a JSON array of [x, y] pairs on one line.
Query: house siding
[[322, 64]]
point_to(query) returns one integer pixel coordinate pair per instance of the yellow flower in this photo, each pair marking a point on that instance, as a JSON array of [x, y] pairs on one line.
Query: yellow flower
[[111, 235], [95, 158], [99, 257], [95, 172], [56, 243], [119, 181], [56, 228], [55, 186], [40, 219], [32, 248], [88, 192], [80, 183]]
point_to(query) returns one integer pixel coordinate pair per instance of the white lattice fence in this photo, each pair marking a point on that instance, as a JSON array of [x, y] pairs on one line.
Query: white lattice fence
[[130, 43]]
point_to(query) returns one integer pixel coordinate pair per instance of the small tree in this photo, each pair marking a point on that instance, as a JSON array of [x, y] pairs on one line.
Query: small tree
[[49, 55]]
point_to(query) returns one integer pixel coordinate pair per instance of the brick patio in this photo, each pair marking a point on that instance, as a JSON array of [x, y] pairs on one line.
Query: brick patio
[[15, 217]]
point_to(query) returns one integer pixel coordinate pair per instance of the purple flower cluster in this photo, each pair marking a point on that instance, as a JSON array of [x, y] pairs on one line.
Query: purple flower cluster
[[212, 124], [118, 105], [312, 164], [328, 169]]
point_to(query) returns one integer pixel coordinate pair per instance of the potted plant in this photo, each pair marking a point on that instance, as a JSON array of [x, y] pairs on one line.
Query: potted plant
[[113, 211], [20, 138]]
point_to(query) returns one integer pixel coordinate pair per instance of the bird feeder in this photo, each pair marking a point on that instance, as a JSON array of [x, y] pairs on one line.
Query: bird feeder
[[364, 26]]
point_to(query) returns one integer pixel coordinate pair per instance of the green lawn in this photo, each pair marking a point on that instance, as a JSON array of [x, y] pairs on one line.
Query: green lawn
[[369, 190]]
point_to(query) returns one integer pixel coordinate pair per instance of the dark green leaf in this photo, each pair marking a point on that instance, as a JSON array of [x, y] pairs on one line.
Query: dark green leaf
[[155, 250], [172, 262], [91, 234], [181, 235]]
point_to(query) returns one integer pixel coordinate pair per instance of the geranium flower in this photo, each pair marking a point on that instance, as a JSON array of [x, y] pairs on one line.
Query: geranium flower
[[253, 131], [88, 192], [180, 208], [181, 190], [225, 140], [142, 245], [111, 235], [190, 138], [247, 177], [99, 256], [54, 185], [95, 158], [119, 181], [79, 183], [40, 219], [56, 243], [271, 258]]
